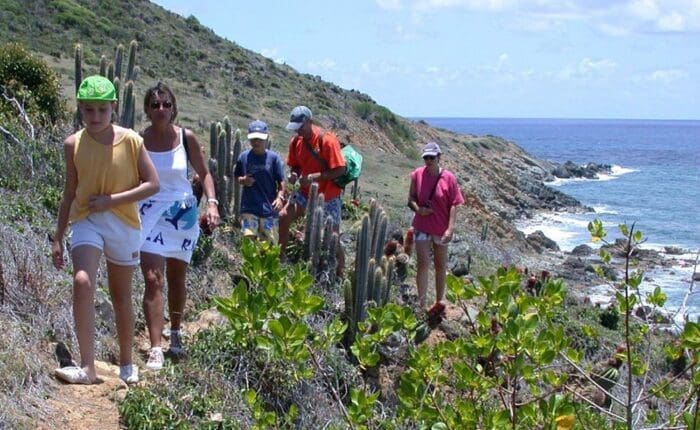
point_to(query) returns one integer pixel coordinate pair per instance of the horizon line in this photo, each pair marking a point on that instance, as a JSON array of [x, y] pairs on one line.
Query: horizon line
[[552, 118]]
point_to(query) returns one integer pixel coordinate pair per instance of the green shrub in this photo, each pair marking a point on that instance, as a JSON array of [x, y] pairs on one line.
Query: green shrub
[[28, 78], [71, 14], [363, 109], [144, 409], [396, 130], [609, 318]]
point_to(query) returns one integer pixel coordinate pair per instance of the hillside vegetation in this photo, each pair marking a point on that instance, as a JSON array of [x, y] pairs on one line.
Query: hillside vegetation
[[280, 346], [214, 77]]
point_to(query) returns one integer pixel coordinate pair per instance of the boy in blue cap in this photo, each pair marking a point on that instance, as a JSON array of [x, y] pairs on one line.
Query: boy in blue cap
[[261, 173]]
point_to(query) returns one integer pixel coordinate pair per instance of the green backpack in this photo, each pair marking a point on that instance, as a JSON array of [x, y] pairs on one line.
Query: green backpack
[[353, 162], [353, 166]]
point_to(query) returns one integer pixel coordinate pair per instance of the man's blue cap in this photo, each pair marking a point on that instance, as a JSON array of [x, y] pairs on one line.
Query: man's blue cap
[[298, 116], [257, 130]]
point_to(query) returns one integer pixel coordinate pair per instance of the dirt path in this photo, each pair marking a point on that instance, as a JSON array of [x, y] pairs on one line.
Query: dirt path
[[96, 406], [87, 406]]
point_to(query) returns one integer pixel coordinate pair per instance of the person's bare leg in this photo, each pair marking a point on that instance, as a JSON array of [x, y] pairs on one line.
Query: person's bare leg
[[440, 261], [422, 269], [85, 261], [176, 271], [286, 217], [120, 291], [152, 267]]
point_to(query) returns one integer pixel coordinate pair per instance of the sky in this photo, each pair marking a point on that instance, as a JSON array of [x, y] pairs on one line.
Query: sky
[[482, 58]]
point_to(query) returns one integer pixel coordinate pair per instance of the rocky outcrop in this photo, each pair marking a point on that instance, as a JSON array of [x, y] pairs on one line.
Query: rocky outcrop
[[582, 250], [541, 242], [570, 170]]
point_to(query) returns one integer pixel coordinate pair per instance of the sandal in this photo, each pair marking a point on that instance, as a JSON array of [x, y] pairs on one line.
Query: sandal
[[73, 375]]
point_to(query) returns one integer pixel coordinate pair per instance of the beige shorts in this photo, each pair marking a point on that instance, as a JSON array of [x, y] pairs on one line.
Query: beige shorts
[[105, 231], [266, 229], [421, 236]]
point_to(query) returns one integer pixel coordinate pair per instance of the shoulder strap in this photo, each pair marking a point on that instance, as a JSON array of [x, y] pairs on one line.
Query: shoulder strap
[[184, 143], [432, 192], [316, 154]]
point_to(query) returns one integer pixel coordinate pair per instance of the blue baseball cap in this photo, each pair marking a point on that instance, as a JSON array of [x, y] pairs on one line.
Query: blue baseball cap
[[257, 130], [298, 116]]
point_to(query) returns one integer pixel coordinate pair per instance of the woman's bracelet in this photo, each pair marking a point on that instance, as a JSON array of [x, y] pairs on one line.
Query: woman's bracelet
[[213, 200]]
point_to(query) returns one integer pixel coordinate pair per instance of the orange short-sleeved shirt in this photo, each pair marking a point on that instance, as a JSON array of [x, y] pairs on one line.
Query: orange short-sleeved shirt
[[300, 158]]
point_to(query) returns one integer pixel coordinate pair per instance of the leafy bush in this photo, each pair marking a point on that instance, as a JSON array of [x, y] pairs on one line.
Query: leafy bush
[[28, 78], [71, 14], [144, 409], [609, 318], [397, 131]]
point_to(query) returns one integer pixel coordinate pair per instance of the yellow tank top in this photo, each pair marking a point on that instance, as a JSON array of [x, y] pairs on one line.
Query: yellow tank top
[[106, 170]]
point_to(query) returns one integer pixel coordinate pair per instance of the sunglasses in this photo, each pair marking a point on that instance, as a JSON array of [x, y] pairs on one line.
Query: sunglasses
[[157, 105], [429, 157]]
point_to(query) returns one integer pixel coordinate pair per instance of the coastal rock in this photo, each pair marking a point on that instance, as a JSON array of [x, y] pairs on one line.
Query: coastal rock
[[540, 242], [649, 314], [674, 250], [608, 271], [570, 170], [460, 269], [582, 250], [573, 263]]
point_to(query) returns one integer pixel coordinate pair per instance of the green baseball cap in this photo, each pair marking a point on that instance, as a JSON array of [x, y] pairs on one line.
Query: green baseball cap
[[96, 89]]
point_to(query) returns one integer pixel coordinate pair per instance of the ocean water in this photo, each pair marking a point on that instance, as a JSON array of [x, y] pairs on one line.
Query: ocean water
[[655, 183]]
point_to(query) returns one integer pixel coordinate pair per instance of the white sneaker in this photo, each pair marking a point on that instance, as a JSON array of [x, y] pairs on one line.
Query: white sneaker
[[129, 373], [176, 342], [155, 359]]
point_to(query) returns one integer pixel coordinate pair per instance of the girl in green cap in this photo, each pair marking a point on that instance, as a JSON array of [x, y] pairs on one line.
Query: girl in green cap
[[107, 172]]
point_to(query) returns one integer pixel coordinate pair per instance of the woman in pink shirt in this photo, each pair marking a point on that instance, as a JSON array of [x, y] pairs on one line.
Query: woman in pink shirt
[[434, 197]]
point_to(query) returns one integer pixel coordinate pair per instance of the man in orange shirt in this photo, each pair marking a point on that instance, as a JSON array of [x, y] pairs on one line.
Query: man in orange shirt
[[314, 156]]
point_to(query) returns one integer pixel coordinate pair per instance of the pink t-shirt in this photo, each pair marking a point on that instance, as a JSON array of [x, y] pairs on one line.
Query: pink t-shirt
[[446, 195]]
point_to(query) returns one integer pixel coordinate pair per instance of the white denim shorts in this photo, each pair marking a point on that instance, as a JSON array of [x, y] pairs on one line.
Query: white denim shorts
[[169, 229], [106, 232]]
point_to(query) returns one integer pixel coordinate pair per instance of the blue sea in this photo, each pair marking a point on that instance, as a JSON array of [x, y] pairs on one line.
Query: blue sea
[[655, 182]]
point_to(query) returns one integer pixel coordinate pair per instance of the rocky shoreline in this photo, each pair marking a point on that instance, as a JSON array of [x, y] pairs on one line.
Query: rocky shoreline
[[577, 267]]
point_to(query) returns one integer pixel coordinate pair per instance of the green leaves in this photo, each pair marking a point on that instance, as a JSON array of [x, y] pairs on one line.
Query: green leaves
[[270, 312], [597, 231], [361, 408], [690, 338]]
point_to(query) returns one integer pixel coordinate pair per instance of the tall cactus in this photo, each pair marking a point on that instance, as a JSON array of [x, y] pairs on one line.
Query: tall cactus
[[355, 189], [78, 57], [357, 293], [118, 59], [320, 241], [131, 63], [214, 128], [110, 72], [374, 272], [484, 232], [222, 158], [128, 105], [235, 191], [310, 207], [103, 65], [223, 182]]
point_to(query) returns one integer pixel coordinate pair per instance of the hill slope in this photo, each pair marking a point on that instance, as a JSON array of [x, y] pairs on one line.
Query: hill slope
[[214, 77]]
